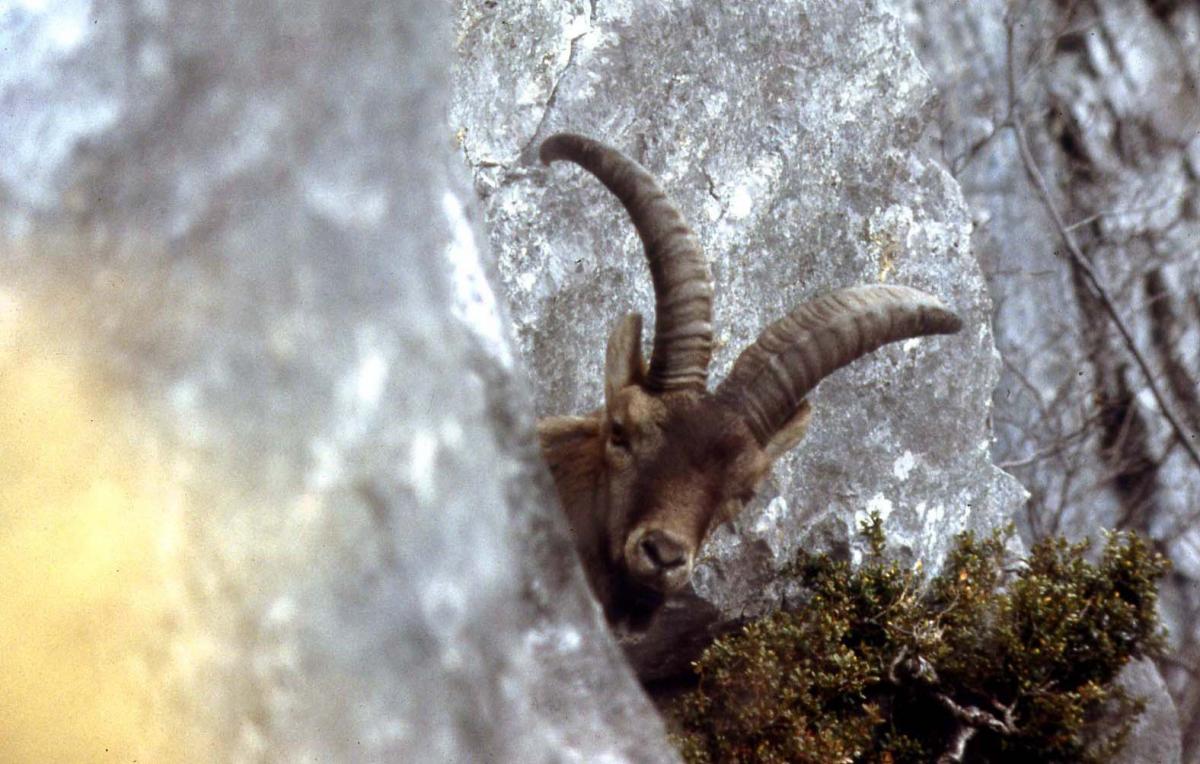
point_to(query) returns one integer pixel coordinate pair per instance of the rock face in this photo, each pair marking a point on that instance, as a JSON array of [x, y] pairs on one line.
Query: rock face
[[1155, 738], [1110, 94], [266, 455], [788, 134]]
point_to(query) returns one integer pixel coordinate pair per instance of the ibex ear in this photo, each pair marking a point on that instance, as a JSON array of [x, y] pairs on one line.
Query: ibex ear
[[790, 434], [623, 363]]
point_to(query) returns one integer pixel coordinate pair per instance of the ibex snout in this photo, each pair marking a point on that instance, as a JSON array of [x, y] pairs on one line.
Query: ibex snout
[[659, 559]]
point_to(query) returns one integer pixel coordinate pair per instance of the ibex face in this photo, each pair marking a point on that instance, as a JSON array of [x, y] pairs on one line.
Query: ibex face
[[676, 465], [645, 479]]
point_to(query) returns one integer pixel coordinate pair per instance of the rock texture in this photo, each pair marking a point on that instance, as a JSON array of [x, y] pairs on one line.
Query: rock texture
[[789, 135], [1155, 738], [266, 457], [1110, 94]]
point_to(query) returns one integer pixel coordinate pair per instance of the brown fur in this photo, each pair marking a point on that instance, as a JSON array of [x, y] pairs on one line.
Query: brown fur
[[679, 463]]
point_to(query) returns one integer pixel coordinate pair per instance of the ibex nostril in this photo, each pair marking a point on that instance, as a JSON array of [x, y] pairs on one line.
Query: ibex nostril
[[663, 551]]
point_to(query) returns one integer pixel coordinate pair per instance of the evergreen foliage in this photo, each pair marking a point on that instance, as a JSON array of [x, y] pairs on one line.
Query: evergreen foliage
[[986, 663]]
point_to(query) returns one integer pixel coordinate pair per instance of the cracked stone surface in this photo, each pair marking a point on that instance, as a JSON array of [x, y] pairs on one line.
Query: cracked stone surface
[[265, 450], [789, 134], [1111, 93]]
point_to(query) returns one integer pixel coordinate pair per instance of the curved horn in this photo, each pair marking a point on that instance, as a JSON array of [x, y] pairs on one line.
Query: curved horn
[[770, 378], [682, 281]]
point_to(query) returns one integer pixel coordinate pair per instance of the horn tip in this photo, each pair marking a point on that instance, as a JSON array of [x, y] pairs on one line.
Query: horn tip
[[947, 321], [934, 316]]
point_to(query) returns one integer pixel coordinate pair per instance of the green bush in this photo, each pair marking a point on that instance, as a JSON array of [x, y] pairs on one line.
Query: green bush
[[987, 662]]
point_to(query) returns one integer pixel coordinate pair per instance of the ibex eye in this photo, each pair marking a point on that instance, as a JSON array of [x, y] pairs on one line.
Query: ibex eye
[[618, 435]]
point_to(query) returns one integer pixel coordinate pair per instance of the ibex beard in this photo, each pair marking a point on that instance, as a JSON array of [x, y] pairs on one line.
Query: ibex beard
[[645, 479]]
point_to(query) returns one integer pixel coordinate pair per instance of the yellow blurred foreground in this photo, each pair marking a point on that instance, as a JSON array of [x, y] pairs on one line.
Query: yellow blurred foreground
[[83, 537]]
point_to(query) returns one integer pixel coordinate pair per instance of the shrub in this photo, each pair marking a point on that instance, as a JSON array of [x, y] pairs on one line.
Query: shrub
[[987, 662]]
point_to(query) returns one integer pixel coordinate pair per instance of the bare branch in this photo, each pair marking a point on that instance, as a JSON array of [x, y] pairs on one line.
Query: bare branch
[[970, 720], [1078, 259], [1156, 206]]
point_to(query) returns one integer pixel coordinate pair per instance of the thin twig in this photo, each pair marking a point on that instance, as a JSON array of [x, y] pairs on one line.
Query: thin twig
[[1048, 45], [1025, 382], [977, 717], [1062, 443], [1077, 257], [1127, 211], [1181, 663], [971, 719]]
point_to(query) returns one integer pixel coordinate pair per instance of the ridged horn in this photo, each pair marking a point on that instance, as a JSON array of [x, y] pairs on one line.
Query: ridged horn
[[770, 378], [682, 281]]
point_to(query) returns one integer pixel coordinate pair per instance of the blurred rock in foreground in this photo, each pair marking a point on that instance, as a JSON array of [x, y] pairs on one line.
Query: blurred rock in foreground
[[267, 483]]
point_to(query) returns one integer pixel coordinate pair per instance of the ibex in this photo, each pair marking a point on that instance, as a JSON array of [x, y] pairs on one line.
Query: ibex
[[646, 478]]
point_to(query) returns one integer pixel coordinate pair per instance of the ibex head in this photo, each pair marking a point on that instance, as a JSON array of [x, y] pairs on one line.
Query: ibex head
[[644, 480]]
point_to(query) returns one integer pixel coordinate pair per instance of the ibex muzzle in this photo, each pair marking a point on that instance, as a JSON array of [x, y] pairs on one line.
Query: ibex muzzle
[[646, 478]]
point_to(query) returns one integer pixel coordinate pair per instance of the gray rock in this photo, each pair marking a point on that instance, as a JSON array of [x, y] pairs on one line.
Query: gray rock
[[790, 136], [246, 231], [1155, 737], [1111, 100]]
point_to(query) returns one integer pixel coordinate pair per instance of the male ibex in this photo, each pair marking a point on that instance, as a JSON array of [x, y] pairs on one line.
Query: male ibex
[[648, 476]]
